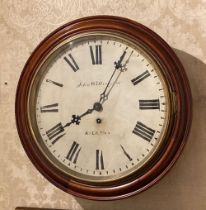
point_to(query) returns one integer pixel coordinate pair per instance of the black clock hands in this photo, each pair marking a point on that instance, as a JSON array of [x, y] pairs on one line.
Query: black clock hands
[[115, 76], [77, 118], [118, 64], [104, 95]]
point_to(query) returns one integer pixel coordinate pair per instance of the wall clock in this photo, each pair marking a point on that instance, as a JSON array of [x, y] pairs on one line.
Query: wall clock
[[103, 107]]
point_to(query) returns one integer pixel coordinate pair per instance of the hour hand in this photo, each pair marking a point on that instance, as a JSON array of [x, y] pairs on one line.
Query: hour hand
[[97, 107], [76, 119]]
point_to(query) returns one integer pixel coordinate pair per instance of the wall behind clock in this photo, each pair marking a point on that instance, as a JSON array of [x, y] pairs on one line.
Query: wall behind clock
[[24, 23]]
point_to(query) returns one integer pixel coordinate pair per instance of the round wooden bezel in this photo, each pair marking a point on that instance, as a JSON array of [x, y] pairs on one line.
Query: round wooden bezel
[[179, 126]]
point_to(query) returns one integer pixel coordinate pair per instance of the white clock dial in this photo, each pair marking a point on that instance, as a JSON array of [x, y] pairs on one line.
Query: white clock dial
[[101, 107]]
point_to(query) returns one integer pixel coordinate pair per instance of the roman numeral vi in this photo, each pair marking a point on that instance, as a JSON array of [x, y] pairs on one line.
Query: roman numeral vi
[[99, 160]]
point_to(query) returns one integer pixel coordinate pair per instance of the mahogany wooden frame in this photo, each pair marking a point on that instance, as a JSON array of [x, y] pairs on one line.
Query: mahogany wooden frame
[[180, 122]]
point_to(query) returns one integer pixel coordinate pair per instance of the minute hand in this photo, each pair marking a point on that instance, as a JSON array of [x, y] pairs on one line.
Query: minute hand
[[115, 76]]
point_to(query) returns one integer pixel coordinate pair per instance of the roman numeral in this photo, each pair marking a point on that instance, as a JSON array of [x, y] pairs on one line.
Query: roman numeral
[[99, 160], [49, 108], [149, 104], [143, 131], [97, 56], [55, 83], [72, 63], [74, 152], [141, 77], [127, 155], [55, 133]]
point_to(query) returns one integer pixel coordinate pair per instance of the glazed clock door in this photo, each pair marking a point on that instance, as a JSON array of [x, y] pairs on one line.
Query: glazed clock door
[[101, 108], [105, 101]]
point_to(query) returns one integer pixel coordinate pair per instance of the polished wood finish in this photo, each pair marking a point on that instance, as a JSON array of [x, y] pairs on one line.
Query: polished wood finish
[[179, 125]]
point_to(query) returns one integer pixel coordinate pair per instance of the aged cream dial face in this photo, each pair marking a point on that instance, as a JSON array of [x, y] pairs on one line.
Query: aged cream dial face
[[99, 108]]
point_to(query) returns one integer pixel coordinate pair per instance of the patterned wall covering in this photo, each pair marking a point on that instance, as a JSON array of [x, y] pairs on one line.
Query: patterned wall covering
[[24, 23]]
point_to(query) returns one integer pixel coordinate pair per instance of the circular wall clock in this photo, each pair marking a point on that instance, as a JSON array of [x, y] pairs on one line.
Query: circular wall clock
[[103, 107]]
